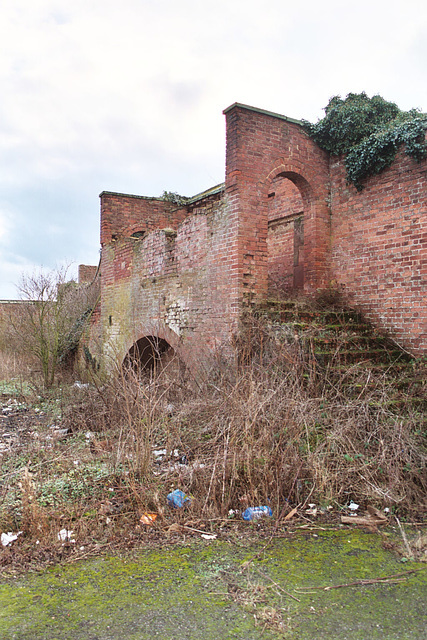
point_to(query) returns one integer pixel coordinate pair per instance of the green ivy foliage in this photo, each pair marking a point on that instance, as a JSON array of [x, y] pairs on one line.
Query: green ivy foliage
[[369, 132]]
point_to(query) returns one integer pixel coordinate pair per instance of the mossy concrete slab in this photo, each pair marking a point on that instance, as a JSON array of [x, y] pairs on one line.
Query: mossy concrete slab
[[223, 590]]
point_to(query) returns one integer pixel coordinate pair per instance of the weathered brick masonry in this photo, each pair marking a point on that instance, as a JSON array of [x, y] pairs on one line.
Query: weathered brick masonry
[[165, 272], [379, 247], [284, 220]]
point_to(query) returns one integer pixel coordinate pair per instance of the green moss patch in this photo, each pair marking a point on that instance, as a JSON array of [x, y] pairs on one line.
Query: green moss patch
[[220, 590]]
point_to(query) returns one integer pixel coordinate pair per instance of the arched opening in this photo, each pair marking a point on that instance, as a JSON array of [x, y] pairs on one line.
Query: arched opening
[[285, 236], [149, 354]]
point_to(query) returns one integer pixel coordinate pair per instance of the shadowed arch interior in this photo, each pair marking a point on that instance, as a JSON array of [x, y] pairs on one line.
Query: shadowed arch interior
[[147, 353]]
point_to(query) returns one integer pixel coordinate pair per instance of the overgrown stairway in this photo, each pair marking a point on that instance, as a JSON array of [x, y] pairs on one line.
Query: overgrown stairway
[[339, 342]]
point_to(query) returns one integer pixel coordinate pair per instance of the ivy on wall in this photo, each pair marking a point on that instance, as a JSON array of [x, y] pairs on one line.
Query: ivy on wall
[[369, 132]]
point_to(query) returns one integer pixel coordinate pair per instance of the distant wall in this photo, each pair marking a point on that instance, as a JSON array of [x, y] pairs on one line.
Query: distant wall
[[9, 310], [86, 273]]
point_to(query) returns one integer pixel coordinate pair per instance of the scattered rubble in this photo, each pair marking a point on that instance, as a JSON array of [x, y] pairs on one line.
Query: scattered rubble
[[65, 535]]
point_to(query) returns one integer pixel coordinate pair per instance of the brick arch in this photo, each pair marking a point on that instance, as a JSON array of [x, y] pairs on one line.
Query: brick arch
[[292, 172], [289, 197], [146, 354], [315, 219], [187, 352], [160, 330]]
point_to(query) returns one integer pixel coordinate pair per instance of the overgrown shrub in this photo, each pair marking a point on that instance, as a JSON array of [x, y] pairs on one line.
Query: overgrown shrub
[[273, 426], [369, 132], [48, 322]]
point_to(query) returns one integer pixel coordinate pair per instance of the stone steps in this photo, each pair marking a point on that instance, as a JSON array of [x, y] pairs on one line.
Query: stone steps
[[343, 344]]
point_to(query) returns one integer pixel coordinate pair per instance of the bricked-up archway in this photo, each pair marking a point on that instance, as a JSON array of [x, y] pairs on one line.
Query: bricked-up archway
[[148, 354], [309, 250], [285, 236]]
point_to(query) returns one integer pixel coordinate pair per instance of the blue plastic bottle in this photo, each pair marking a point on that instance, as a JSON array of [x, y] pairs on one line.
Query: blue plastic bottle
[[253, 513]]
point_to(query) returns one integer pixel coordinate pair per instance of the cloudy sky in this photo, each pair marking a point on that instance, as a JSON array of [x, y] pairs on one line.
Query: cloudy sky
[[127, 96]]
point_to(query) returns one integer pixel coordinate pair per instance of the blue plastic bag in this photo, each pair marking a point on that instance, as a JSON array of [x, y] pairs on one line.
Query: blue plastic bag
[[178, 498]]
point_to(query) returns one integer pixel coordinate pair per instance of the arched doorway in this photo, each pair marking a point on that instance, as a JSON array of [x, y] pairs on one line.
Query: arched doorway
[[149, 354], [285, 236]]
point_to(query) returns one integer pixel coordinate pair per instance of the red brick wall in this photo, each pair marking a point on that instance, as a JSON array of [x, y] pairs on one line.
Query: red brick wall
[[379, 247], [174, 284], [122, 215], [280, 247], [286, 219], [260, 147], [284, 199]]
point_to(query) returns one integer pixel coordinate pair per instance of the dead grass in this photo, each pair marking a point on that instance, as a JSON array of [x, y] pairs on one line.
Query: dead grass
[[15, 366], [274, 429]]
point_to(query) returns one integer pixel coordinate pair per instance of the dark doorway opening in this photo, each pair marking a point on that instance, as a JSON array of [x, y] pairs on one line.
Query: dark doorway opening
[[148, 354]]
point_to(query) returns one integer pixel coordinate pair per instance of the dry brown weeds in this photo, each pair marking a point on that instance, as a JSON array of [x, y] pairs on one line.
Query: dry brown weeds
[[272, 427]]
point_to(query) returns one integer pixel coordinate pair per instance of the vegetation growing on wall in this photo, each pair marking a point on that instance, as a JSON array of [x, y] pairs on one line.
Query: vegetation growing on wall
[[369, 132], [175, 198]]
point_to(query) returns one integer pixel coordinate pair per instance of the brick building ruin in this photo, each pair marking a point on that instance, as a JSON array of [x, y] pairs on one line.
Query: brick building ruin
[[284, 221]]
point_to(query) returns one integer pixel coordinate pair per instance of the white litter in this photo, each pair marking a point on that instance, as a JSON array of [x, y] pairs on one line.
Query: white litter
[[353, 506], [81, 385], [8, 538], [65, 535]]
